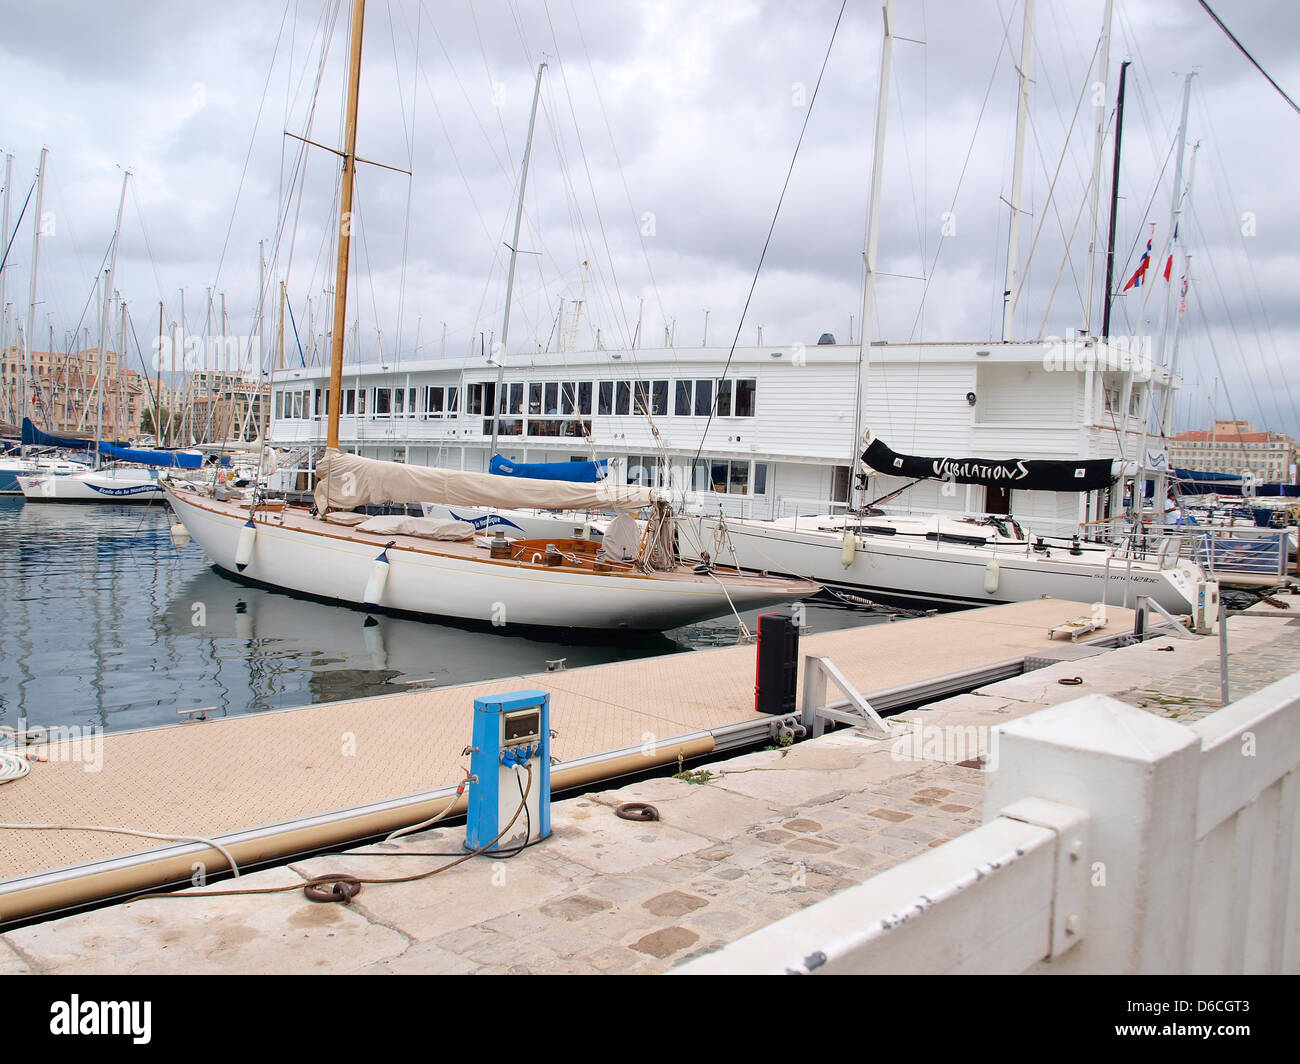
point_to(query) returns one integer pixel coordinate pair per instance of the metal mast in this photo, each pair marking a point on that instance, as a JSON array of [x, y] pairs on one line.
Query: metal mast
[[1096, 163], [873, 235], [1017, 178], [31, 299], [498, 399]]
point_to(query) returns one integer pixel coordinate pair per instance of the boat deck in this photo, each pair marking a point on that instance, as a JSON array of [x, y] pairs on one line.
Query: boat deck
[[577, 554], [277, 783]]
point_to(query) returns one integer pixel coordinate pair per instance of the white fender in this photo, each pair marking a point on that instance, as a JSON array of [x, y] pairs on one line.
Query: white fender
[[849, 550], [378, 579], [992, 576], [244, 549], [180, 534]]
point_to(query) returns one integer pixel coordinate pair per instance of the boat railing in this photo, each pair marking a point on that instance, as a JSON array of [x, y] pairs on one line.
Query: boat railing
[[796, 507], [1259, 552]]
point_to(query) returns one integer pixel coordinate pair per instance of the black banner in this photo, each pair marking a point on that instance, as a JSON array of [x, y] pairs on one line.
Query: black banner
[[1025, 474]]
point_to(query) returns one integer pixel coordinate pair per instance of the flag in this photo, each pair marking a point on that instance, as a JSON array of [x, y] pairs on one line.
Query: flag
[[1139, 275], [1182, 302], [1169, 263]]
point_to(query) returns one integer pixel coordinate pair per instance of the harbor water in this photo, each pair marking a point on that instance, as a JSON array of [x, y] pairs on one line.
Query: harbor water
[[105, 622]]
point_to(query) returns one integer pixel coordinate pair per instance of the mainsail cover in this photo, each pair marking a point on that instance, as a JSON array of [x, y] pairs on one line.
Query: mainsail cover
[[1196, 482], [346, 481], [34, 437], [172, 459], [578, 472], [1025, 474]]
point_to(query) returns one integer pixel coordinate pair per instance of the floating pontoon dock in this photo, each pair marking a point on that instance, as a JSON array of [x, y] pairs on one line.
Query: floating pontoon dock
[[276, 784]]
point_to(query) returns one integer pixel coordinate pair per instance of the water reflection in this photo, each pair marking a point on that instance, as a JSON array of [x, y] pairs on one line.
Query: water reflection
[[103, 620]]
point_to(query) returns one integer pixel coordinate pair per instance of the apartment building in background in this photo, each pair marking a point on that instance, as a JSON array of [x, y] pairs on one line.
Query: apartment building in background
[[1235, 447]]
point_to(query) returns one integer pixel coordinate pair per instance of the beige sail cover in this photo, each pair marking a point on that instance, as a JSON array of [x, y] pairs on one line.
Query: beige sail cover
[[346, 481]]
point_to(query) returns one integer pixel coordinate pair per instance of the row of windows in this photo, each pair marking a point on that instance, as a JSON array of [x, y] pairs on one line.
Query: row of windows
[[1229, 447], [691, 398], [719, 475]]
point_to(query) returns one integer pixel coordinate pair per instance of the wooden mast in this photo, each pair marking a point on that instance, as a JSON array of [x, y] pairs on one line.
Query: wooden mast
[[345, 226]]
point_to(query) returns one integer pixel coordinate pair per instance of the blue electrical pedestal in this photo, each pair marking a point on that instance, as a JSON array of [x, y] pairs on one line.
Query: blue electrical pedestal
[[512, 734]]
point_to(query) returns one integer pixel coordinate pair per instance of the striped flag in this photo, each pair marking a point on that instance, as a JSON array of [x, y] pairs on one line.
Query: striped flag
[[1139, 275]]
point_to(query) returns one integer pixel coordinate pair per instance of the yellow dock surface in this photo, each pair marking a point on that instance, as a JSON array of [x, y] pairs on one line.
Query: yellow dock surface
[[219, 777]]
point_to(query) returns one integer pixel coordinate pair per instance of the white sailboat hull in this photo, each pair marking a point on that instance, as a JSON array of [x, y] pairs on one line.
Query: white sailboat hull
[[951, 574], [459, 580], [117, 485]]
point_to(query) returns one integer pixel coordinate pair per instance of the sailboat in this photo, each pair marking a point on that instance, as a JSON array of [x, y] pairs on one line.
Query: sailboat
[[132, 476], [944, 558], [631, 581]]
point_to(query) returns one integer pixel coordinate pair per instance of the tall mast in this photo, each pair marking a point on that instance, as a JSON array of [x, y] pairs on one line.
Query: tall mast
[[1096, 164], [345, 225], [123, 405], [514, 255], [157, 391], [31, 299], [1175, 210], [105, 319], [4, 246], [1109, 294], [873, 233], [1017, 176]]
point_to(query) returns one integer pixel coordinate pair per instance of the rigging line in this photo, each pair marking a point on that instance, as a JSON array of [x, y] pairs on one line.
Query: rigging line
[[17, 226], [1254, 62], [600, 99], [252, 140], [410, 179], [493, 86], [148, 381], [1232, 325], [1051, 189], [288, 305], [812, 100], [970, 148], [591, 184], [148, 245], [1250, 265], [1273, 389], [298, 172], [1209, 337]]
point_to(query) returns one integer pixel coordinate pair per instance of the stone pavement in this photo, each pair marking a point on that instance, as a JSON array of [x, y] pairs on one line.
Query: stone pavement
[[764, 835]]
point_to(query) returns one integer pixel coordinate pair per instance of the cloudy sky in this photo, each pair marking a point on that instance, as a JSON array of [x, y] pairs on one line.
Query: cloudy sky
[[666, 132]]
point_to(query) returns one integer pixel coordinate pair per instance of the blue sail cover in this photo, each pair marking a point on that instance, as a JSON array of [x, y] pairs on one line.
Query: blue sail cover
[[575, 472], [1196, 482], [173, 459], [34, 437], [119, 450]]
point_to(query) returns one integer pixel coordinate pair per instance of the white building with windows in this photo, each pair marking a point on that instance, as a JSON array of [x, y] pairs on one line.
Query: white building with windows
[[768, 433]]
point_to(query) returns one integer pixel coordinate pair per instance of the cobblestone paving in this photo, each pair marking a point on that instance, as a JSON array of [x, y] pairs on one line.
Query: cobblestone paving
[[1196, 693]]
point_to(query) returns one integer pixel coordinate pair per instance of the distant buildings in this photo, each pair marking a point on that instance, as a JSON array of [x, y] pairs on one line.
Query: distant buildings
[[222, 407], [65, 392], [1235, 447], [210, 406]]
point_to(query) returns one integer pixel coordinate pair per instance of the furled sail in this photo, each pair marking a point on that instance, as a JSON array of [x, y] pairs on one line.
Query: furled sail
[[1196, 482], [172, 459], [346, 481], [1024, 474], [34, 437], [577, 472]]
